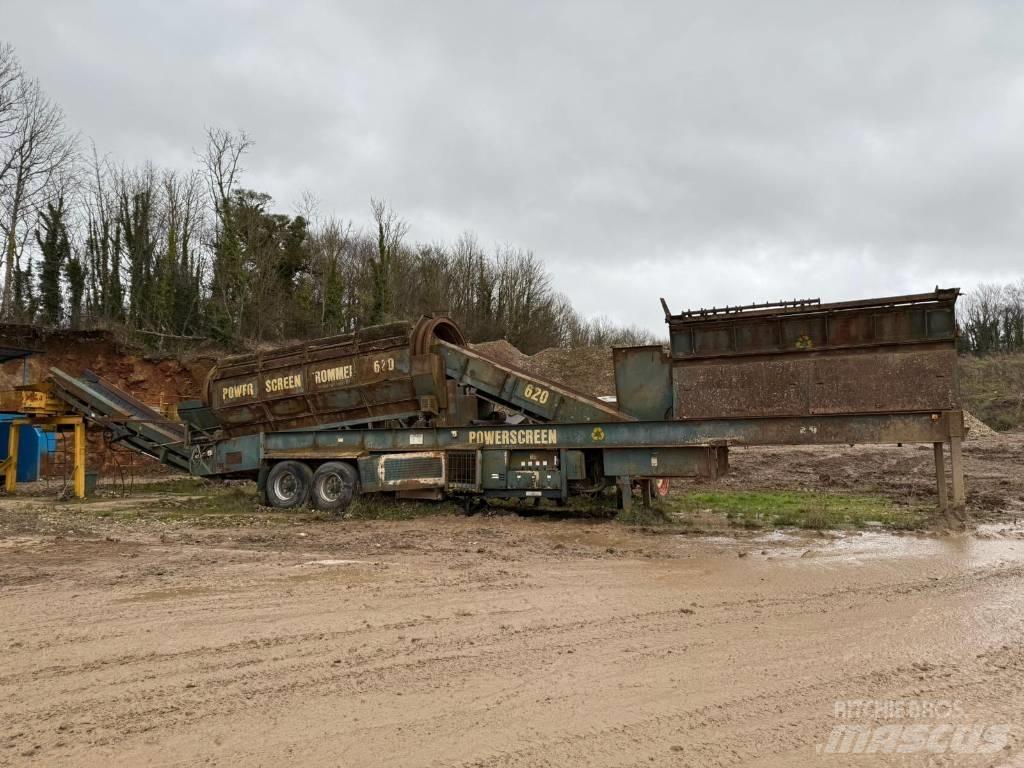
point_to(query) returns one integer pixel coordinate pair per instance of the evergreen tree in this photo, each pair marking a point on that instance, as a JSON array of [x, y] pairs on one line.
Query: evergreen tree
[[390, 231], [103, 257], [55, 250], [23, 298], [227, 283], [75, 271], [333, 316], [165, 282], [136, 220]]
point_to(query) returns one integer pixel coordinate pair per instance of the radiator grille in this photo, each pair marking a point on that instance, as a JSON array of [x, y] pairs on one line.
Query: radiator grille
[[368, 473], [413, 468], [462, 470]]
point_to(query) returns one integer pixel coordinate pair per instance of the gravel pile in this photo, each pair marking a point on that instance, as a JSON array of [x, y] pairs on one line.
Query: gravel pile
[[977, 429]]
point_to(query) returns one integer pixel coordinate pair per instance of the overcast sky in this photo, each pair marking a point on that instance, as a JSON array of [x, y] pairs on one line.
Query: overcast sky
[[707, 152]]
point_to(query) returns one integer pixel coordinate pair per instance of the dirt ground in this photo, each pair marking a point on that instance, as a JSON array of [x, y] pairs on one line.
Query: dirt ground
[[511, 641]]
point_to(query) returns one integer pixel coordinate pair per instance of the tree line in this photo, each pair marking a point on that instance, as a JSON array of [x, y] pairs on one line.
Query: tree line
[[193, 254], [991, 319]]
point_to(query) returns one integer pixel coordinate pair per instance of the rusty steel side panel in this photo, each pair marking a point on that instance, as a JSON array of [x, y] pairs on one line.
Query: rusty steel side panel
[[890, 355], [902, 380], [683, 461], [372, 375], [907, 379], [912, 319], [643, 382], [369, 387]]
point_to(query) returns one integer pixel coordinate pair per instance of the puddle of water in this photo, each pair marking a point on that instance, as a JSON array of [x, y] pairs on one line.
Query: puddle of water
[[964, 550], [1001, 530], [776, 536]]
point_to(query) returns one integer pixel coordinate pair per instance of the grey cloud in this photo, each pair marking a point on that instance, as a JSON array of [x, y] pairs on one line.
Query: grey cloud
[[708, 152]]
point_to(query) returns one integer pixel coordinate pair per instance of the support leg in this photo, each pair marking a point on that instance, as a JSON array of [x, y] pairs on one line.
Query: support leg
[[957, 467], [645, 492], [940, 477], [78, 476], [625, 493], [11, 463]]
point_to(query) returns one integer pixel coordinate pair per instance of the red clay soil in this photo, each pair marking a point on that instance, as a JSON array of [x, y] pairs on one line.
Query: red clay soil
[[162, 382]]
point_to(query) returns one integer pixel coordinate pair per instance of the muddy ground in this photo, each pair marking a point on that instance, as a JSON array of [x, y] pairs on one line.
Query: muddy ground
[[500, 640]]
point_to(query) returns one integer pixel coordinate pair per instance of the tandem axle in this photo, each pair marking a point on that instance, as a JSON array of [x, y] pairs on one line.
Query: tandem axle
[[553, 474]]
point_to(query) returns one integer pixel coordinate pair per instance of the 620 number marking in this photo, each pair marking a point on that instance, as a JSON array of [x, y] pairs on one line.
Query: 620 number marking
[[536, 394]]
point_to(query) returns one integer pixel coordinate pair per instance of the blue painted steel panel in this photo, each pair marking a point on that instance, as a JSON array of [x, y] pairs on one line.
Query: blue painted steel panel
[[32, 443]]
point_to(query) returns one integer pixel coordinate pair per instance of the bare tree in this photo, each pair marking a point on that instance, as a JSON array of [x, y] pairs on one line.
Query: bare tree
[[222, 162], [308, 206], [179, 264], [334, 272], [10, 108], [38, 153], [980, 318], [10, 74], [391, 229], [102, 243]]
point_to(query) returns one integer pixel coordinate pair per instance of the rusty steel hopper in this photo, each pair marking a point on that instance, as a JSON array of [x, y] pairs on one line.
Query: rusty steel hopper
[[378, 373], [888, 355]]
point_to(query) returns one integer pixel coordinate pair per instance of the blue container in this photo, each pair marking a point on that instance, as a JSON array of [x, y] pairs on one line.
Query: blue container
[[32, 444]]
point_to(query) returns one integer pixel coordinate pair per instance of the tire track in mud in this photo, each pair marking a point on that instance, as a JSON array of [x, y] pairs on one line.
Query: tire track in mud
[[663, 674], [724, 612], [353, 680], [739, 724]]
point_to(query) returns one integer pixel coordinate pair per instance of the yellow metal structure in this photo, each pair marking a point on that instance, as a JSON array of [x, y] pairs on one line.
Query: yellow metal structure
[[41, 409], [37, 400]]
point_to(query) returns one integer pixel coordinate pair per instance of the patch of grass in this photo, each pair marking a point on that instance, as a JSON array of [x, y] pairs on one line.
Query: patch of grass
[[183, 485], [800, 509], [600, 506], [203, 503], [236, 500], [638, 515], [215, 506], [377, 507]]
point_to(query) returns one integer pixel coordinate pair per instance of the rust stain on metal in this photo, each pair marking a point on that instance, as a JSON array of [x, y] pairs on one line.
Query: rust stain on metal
[[889, 355], [372, 374]]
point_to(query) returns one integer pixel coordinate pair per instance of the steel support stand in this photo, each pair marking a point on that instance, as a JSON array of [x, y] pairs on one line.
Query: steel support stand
[[645, 492], [78, 476], [625, 486], [940, 478], [957, 468], [10, 464]]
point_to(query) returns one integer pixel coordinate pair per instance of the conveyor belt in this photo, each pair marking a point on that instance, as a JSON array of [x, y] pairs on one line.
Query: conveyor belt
[[521, 391], [131, 421], [141, 428]]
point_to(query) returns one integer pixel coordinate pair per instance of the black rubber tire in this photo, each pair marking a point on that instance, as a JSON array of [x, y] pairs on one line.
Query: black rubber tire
[[472, 504], [288, 485], [334, 485], [353, 474]]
